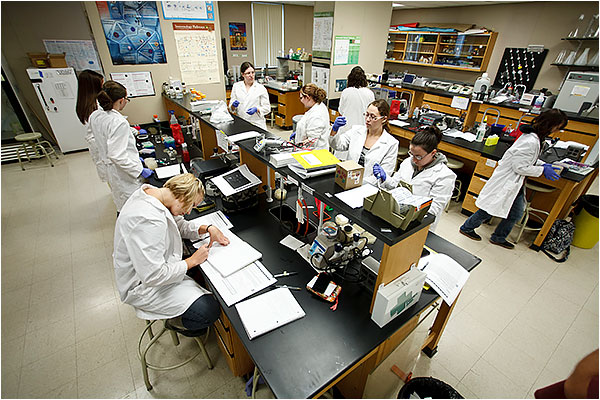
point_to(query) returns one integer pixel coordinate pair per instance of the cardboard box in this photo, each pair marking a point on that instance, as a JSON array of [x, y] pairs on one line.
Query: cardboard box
[[349, 174], [39, 60], [57, 60]]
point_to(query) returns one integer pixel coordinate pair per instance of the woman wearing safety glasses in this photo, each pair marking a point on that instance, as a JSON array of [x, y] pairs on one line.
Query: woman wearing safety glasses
[[368, 145], [311, 130], [426, 170], [249, 99]]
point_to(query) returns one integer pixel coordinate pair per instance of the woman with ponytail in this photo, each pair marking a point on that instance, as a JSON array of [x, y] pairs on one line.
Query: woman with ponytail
[[426, 170], [89, 84], [116, 143], [313, 127]]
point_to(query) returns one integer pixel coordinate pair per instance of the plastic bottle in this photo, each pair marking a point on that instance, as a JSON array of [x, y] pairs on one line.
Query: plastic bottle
[[537, 105], [157, 121], [176, 129], [481, 131], [290, 53], [178, 93], [185, 153]]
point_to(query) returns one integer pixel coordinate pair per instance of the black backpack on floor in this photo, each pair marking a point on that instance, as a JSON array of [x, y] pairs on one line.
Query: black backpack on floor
[[559, 240]]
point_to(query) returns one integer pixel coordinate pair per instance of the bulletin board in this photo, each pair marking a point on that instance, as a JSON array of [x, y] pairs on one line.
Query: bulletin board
[[197, 51], [132, 32], [519, 67]]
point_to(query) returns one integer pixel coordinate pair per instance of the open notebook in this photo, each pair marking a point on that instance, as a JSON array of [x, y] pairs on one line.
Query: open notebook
[[231, 258], [270, 310]]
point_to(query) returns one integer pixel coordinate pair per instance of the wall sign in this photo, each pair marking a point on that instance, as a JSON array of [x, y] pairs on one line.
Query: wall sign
[[132, 31], [79, 54], [138, 84], [237, 36], [192, 10], [197, 50], [346, 50], [322, 32]]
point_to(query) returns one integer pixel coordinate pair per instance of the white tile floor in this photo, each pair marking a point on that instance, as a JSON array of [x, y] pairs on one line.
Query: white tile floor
[[521, 322]]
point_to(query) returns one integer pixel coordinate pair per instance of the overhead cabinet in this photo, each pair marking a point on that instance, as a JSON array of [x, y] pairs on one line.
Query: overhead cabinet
[[467, 52]]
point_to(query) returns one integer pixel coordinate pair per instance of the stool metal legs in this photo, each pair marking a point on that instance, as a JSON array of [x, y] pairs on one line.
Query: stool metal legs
[[142, 352], [38, 149], [455, 197]]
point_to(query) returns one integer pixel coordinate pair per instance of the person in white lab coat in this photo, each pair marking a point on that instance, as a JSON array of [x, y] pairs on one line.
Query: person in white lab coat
[[354, 101], [249, 99], [426, 170], [313, 127], [116, 144], [149, 269], [89, 84], [368, 145], [503, 195]]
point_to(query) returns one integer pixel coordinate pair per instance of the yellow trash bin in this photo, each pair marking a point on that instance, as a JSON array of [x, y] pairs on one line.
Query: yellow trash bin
[[586, 222]]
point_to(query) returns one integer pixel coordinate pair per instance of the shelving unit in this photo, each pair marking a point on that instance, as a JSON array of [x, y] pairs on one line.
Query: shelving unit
[[441, 50], [580, 42]]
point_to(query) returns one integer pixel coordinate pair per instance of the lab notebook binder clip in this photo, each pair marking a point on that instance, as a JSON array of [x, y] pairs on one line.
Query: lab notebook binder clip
[[384, 205], [323, 287]]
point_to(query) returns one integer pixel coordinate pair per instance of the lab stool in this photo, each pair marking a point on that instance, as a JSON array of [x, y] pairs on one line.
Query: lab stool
[[271, 115], [143, 351], [455, 165], [402, 153], [31, 142], [530, 211]]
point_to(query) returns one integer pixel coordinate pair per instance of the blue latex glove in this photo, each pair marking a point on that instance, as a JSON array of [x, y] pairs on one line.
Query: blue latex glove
[[142, 160], [379, 172], [550, 173], [146, 172], [338, 123], [235, 103], [292, 136], [251, 110]]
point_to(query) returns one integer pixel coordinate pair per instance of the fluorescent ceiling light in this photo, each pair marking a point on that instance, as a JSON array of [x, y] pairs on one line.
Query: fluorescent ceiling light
[[397, 5]]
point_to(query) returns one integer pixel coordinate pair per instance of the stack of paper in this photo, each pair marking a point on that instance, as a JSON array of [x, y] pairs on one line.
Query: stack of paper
[[444, 275], [315, 159], [404, 196], [231, 258], [355, 197], [236, 181], [262, 314], [236, 287], [216, 218]]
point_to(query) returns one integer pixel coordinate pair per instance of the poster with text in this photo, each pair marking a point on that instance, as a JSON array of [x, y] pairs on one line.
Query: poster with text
[[346, 50], [322, 31], [197, 51], [320, 76], [237, 36], [79, 54], [132, 31], [193, 10]]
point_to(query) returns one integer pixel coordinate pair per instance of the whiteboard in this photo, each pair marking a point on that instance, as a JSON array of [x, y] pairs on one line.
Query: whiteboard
[[138, 84]]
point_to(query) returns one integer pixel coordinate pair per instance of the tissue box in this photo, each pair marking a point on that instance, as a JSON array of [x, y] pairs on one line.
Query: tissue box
[[349, 174]]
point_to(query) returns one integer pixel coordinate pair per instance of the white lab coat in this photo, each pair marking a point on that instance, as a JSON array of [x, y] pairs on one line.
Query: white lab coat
[[314, 125], [149, 270], [384, 152], [117, 151], [436, 182], [256, 96], [353, 104], [93, 147], [519, 161]]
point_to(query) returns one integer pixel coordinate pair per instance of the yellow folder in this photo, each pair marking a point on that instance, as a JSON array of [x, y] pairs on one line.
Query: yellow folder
[[315, 159]]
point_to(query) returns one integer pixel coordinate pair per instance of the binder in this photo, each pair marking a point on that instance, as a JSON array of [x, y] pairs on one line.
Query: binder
[[315, 159], [269, 311]]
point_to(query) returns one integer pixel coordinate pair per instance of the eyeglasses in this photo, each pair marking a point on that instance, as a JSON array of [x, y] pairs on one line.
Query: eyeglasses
[[302, 96], [128, 99], [249, 73], [372, 117], [418, 158]]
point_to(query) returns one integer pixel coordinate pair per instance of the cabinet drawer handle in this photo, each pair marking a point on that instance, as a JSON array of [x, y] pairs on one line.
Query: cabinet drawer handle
[[223, 343]]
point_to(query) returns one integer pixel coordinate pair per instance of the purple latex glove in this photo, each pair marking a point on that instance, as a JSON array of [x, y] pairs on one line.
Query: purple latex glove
[[292, 136], [379, 172], [235, 104], [251, 110], [550, 173], [146, 172], [142, 160], [338, 123]]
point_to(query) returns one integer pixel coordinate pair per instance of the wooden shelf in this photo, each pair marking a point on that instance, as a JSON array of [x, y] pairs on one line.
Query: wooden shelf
[[432, 43], [461, 55], [420, 52]]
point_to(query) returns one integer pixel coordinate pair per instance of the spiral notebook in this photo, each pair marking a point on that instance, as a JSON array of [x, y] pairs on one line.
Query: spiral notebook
[[269, 311]]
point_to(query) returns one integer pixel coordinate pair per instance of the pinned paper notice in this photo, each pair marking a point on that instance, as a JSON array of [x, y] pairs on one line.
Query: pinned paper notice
[[462, 103], [580, 90], [490, 163]]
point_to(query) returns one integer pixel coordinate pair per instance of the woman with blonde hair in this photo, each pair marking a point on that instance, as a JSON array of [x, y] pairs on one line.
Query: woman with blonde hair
[[313, 127], [148, 254]]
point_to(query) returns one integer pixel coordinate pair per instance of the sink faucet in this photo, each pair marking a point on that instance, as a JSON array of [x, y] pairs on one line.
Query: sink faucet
[[491, 109]]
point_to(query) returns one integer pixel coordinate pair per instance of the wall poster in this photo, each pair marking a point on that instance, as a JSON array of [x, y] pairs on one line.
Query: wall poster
[[237, 36], [138, 84], [79, 54], [346, 50], [320, 76], [197, 50], [132, 31], [194, 10], [322, 31]]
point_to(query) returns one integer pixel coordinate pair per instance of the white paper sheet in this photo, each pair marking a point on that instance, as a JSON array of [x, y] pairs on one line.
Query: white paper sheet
[[241, 284], [222, 140], [242, 136], [227, 189], [399, 123], [291, 242], [304, 174], [216, 218], [262, 314], [168, 171], [355, 197], [231, 258], [444, 275], [468, 136]]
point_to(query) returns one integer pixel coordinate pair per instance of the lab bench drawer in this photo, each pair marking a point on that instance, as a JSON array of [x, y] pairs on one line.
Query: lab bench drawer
[[231, 346], [225, 335], [333, 114], [469, 203], [281, 109], [477, 183], [281, 98], [279, 120], [485, 166]]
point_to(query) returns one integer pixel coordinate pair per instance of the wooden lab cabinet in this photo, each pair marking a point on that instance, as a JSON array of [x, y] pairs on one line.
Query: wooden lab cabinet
[[288, 105], [483, 171], [232, 348]]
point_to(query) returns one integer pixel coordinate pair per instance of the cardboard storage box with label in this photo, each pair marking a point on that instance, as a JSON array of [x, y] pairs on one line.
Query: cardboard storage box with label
[[349, 174]]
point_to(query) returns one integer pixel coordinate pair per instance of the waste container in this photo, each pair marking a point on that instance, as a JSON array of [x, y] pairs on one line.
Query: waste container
[[586, 222], [295, 120], [428, 387]]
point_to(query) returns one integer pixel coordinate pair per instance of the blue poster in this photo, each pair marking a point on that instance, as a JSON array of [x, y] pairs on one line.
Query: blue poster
[[132, 31]]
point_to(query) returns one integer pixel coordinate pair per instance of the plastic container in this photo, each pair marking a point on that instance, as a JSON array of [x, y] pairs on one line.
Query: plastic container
[[185, 153], [176, 129], [428, 388], [539, 101], [586, 222]]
